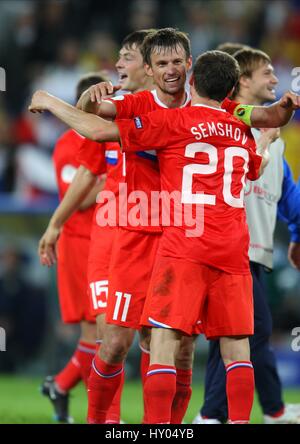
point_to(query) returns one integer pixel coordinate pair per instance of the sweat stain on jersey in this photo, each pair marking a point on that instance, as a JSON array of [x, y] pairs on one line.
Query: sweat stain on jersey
[[163, 288]]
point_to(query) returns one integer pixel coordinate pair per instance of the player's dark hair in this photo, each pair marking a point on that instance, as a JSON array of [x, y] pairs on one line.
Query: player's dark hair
[[231, 48], [136, 38], [162, 39], [249, 60], [88, 80], [215, 74]]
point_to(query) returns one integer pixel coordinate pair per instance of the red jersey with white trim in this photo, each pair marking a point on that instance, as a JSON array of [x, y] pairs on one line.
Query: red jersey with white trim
[[141, 168], [204, 155], [93, 158], [66, 165]]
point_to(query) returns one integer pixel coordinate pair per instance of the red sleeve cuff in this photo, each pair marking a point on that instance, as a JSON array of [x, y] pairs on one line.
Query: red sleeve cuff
[[254, 167]]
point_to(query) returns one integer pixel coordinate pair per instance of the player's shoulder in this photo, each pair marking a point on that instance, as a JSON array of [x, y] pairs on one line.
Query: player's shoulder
[[163, 115], [66, 145], [69, 136], [236, 121], [115, 146], [132, 96]]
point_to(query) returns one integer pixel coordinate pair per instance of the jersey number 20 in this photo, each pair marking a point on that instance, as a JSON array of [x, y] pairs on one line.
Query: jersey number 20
[[189, 197]]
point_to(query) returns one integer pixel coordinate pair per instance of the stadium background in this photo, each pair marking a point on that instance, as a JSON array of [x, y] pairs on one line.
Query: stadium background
[[49, 44]]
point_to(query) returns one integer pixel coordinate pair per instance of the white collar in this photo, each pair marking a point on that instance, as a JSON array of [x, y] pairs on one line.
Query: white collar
[[211, 107], [160, 103]]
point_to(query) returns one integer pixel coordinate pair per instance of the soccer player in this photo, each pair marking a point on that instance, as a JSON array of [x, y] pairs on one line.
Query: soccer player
[[273, 193], [71, 274], [206, 161], [132, 78], [143, 168], [186, 126], [188, 268], [166, 80], [129, 276]]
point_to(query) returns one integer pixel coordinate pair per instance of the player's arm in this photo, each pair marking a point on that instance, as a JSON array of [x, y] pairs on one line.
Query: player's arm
[[147, 131], [289, 212], [276, 115], [82, 184], [263, 145], [91, 198], [88, 125], [92, 100]]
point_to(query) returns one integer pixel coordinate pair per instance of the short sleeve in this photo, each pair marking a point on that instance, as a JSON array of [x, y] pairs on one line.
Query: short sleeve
[[92, 156], [128, 105]]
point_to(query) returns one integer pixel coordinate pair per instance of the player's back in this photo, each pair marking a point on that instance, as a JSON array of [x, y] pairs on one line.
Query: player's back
[[211, 153], [204, 155]]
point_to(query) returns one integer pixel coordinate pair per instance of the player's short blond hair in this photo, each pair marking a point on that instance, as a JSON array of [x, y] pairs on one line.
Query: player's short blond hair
[[249, 60]]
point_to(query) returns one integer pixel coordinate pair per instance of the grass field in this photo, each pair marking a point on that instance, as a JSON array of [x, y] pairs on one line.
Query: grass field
[[22, 403]]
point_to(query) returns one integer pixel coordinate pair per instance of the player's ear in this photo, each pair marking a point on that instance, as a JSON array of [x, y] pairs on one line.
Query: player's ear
[[244, 81], [148, 70], [192, 80], [189, 63]]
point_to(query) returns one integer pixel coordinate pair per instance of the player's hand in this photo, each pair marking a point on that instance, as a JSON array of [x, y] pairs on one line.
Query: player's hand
[[47, 246], [39, 102], [294, 255], [96, 93], [290, 100], [272, 133]]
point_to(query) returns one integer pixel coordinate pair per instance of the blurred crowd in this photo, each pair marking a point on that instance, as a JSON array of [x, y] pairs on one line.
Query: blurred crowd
[[49, 44]]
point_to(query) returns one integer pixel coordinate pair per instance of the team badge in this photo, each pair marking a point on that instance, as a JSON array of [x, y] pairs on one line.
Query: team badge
[[138, 123]]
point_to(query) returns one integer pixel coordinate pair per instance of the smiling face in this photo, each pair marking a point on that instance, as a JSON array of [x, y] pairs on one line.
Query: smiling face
[[130, 68], [169, 68], [262, 83]]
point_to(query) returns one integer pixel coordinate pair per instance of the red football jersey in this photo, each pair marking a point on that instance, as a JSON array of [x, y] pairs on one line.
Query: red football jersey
[[141, 168], [204, 155], [66, 165], [92, 158]]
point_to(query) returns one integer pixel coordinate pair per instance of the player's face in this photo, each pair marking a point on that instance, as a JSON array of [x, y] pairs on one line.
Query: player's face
[[169, 68], [262, 83], [130, 68]]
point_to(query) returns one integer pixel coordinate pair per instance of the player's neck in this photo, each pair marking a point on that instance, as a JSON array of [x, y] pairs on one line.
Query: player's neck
[[197, 100], [147, 84], [247, 99], [172, 100]]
